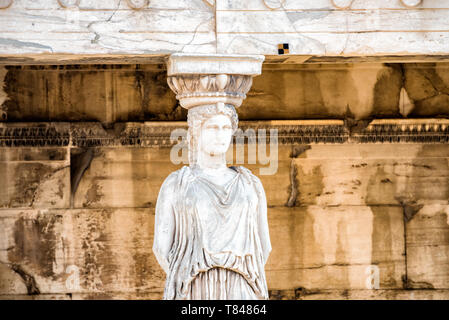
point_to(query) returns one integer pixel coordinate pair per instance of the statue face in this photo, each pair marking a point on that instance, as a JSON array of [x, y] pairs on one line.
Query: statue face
[[216, 134]]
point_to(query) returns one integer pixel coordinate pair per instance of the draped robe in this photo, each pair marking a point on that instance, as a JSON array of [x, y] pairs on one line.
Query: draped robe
[[201, 225]]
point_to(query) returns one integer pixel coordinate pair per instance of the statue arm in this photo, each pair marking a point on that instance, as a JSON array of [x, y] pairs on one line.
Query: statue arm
[[164, 225], [264, 233]]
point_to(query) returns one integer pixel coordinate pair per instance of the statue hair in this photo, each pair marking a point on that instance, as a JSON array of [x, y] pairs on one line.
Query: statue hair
[[197, 116]]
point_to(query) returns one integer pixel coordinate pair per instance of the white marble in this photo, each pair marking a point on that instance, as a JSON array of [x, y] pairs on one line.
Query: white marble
[[324, 4], [211, 229], [321, 27], [209, 79], [338, 44], [179, 63]]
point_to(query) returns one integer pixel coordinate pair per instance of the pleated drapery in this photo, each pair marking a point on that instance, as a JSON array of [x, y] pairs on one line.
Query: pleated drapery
[[219, 239]]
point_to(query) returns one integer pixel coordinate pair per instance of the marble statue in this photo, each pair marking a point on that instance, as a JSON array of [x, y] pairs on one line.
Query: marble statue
[[211, 230]]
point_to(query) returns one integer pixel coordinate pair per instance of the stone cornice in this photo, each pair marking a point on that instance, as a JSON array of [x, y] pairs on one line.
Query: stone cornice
[[157, 133]]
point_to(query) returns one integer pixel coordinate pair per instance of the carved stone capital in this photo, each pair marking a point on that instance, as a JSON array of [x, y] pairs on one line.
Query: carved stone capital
[[208, 79]]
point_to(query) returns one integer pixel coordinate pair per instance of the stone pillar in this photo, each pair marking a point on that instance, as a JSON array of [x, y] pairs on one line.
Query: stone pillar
[[199, 79]]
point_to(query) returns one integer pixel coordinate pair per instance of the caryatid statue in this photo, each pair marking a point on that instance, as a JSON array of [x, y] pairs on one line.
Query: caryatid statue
[[211, 230]]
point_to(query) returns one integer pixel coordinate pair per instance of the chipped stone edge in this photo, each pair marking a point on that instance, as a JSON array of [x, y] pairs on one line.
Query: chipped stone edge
[[183, 63]]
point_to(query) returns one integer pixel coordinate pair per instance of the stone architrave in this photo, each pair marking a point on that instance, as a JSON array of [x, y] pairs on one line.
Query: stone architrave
[[211, 229]]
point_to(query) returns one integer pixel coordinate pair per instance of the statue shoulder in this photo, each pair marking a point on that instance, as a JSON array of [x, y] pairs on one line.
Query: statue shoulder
[[251, 176], [175, 179]]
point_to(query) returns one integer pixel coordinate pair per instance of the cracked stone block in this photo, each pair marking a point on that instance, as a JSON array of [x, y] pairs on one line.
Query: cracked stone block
[[341, 247], [310, 28], [108, 28], [428, 248], [356, 174], [313, 92], [371, 174], [428, 88], [124, 177], [283, 91], [117, 4], [331, 91], [321, 28], [98, 252], [371, 181], [34, 178]]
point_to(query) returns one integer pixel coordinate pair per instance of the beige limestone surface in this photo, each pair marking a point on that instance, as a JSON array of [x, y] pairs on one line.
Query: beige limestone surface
[[100, 246], [120, 93]]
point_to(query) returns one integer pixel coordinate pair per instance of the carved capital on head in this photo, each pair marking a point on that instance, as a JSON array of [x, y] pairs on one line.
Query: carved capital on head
[[195, 90], [3, 113], [208, 79]]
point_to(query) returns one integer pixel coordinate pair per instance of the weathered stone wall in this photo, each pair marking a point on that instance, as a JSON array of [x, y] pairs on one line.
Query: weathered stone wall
[[334, 212], [111, 93], [310, 27], [350, 194]]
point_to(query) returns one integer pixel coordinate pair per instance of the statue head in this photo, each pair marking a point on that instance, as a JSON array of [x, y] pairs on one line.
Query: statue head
[[210, 130]]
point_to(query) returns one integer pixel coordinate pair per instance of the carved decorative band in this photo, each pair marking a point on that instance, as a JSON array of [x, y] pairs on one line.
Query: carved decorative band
[[194, 89], [149, 134], [126, 134], [300, 132], [25, 135], [405, 131]]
